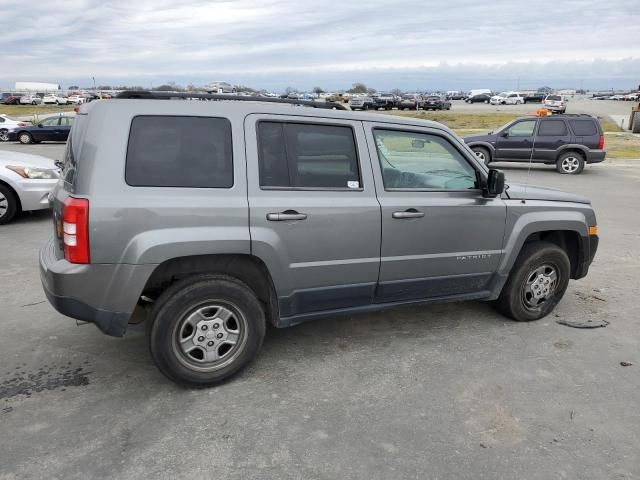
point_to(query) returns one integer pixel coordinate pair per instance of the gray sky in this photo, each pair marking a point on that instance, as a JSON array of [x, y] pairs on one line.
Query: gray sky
[[274, 44]]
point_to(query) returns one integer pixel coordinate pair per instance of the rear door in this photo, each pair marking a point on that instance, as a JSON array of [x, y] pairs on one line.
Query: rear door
[[516, 141], [314, 216], [552, 134]]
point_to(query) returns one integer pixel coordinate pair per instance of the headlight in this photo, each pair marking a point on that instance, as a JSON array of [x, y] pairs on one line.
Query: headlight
[[34, 172]]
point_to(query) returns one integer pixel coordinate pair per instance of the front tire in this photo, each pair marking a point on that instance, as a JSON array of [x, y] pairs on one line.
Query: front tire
[[482, 154], [8, 204], [537, 282], [25, 138], [570, 163], [205, 329]]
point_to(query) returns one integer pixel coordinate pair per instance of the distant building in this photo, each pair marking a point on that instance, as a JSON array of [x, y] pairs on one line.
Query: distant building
[[566, 92], [37, 87], [221, 87]]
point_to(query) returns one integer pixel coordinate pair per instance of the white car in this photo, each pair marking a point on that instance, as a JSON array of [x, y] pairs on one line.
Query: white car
[[9, 125], [30, 100], [25, 183], [555, 103], [55, 98], [507, 98], [76, 99], [616, 97]]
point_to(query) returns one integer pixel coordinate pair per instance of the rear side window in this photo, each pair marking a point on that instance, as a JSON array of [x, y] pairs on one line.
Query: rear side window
[[550, 128], [167, 151], [583, 127], [300, 155]]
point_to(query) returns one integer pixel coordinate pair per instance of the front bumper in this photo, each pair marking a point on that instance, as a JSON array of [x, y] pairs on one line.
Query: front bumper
[[103, 294], [34, 193]]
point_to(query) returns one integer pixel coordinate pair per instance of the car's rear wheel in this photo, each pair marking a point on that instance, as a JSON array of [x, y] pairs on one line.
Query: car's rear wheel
[[537, 282], [483, 154], [8, 204], [25, 138], [570, 163], [205, 329], [4, 135]]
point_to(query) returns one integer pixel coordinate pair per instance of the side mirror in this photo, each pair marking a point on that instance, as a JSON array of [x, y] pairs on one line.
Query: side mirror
[[495, 183], [504, 133], [40, 125]]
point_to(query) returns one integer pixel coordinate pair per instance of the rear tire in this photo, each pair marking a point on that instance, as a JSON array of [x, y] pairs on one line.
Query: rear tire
[[570, 163], [8, 204], [4, 135], [205, 329], [536, 284]]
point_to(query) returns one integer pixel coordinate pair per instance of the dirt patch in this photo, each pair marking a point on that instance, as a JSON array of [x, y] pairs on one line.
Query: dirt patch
[[52, 377]]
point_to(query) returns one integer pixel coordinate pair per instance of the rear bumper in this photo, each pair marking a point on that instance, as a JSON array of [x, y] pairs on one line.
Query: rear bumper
[[103, 294], [596, 156]]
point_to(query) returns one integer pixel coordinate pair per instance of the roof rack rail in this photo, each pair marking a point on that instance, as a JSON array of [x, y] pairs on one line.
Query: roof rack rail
[[156, 95]]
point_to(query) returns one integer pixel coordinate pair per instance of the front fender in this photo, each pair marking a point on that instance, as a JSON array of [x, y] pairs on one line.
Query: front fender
[[486, 145]]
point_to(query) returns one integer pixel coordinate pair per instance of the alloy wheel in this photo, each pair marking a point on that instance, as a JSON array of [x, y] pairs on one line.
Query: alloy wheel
[[539, 286], [4, 205], [570, 164]]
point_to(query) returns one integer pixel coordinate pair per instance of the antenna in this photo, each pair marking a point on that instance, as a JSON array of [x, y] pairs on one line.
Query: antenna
[[533, 146]]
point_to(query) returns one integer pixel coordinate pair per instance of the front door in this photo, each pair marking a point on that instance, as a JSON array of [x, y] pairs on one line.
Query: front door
[[440, 236], [516, 141], [314, 216]]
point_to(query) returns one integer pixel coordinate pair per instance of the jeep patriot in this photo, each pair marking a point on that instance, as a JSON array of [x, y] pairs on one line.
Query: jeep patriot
[[213, 218]]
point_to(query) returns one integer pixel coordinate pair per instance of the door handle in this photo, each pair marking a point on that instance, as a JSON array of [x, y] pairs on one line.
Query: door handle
[[286, 215], [410, 213]]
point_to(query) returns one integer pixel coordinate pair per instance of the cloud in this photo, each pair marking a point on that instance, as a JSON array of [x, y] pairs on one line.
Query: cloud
[[331, 42]]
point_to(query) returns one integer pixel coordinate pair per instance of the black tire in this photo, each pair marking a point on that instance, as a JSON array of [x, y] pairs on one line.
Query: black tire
[[9, 206], [170, 316], [483, 154], [513, 301], [25, 138], [570, 163], [4, 135]]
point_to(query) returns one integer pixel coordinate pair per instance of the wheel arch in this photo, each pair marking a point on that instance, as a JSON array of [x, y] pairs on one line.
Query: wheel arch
[[245, 267], [572, 147], [487, 145], [15, 193]]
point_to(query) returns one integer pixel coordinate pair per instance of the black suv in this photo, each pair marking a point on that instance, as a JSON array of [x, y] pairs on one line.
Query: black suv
[[568, 141]]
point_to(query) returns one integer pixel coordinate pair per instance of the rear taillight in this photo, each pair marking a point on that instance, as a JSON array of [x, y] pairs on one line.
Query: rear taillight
[[601, 143], [75, 229], [21, 124]]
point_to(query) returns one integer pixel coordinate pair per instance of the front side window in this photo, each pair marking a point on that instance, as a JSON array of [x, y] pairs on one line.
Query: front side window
[[522, 129], [300, 155], [421, 161], [173, 151], [552, 128], [50, 122]]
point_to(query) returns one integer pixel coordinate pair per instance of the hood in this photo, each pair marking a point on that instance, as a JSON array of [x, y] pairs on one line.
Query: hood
[[25, 160], [485, 137], [517, 191]]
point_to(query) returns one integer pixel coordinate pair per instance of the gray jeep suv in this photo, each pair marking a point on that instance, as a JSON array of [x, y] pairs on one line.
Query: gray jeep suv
[[213, 218]]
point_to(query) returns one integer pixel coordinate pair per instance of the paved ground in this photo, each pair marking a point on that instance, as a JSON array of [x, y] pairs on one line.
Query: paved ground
[[437, 392]]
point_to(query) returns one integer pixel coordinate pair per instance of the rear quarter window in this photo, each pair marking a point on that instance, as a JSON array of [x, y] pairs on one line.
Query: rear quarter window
[[174, 151], [583, 128]]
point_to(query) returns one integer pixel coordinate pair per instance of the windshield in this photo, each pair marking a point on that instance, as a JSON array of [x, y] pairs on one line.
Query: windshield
[[503, 94], [554, 97]]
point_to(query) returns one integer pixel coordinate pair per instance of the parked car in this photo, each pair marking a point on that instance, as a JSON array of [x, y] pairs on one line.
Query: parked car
[[55, 99], [616, 97], [479, 98], [25, 183], [456, 95], [289, 222], [411, 101], [555, 103], [52, 129], [534, 98], [76, 99], [632, 96], [362, 103], [567, 141], [13, 99], [338, 98], [507, 98], [8, 126], [30, 100], [386, 101], [436, 102]]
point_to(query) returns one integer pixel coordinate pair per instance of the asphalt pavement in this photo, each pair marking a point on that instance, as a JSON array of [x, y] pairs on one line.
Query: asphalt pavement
[[452, 391]]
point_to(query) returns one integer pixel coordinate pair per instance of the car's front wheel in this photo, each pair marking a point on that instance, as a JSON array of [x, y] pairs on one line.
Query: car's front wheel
[[25, 138], [482, 154], [570, 163], [8, 204], [205, 329], [537, 282]]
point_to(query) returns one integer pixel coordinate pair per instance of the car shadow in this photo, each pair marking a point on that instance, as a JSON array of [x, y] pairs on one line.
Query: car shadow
[[32, 217]]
